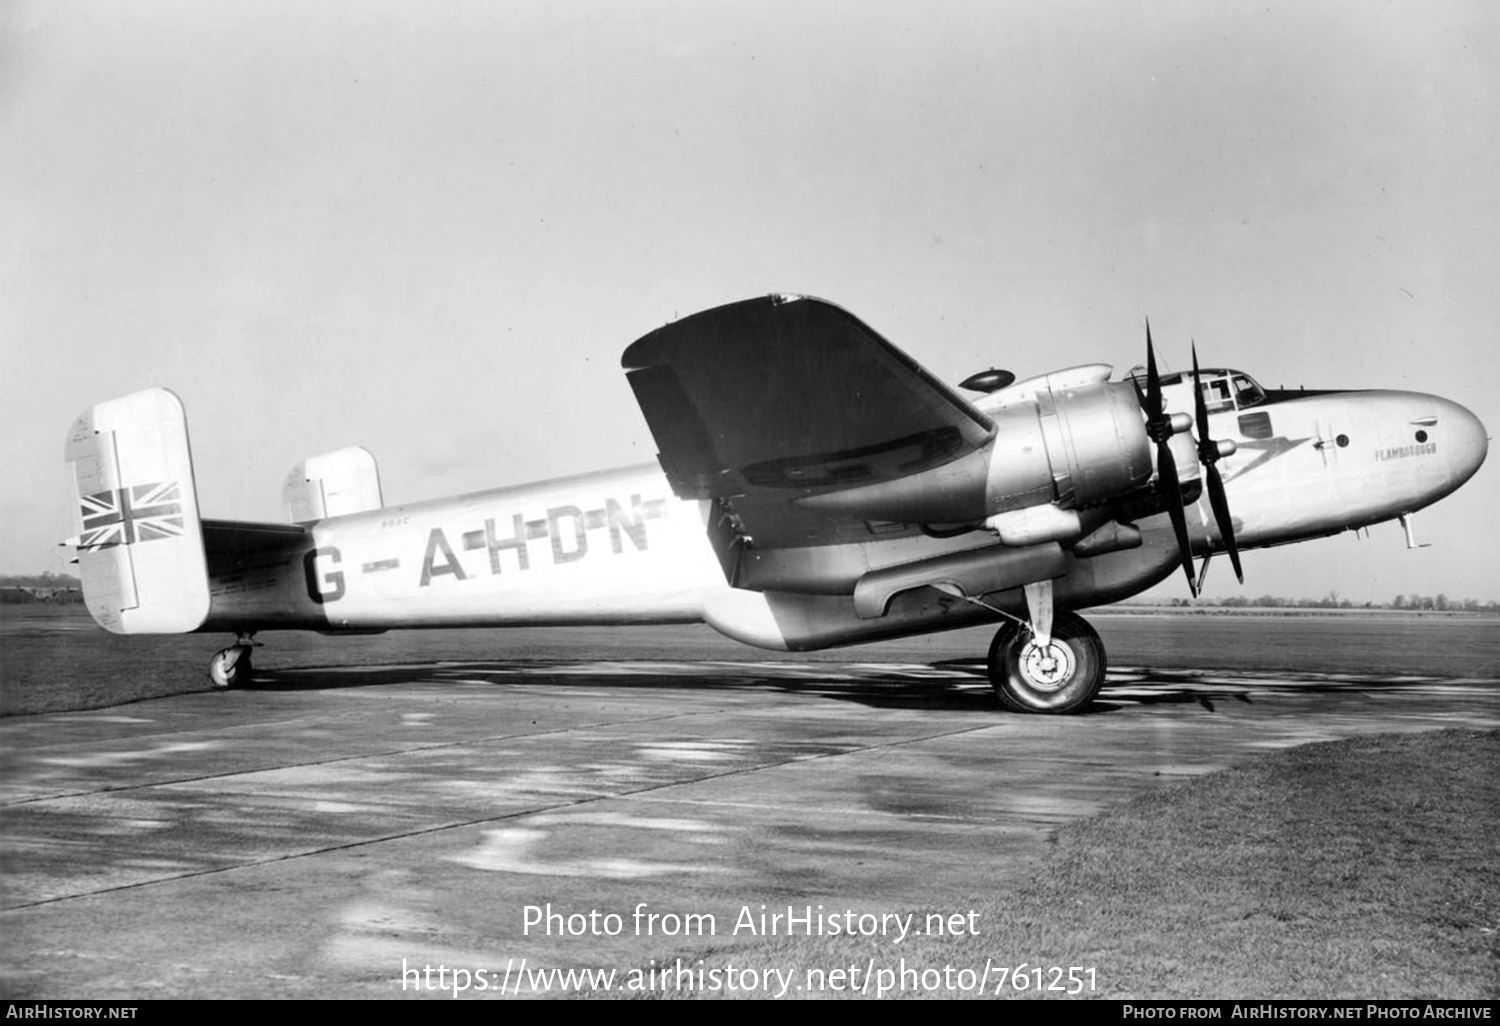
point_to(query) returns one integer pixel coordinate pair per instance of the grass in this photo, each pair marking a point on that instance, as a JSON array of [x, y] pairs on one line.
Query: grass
[[59, 661], [1358, 869]]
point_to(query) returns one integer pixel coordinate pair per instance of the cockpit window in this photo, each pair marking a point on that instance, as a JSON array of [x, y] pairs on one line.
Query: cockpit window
[[1247, 392], [1216, 395]]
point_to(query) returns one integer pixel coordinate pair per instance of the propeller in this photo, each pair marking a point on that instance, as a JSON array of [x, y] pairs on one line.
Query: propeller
[[1208, 455], [1159, 428]]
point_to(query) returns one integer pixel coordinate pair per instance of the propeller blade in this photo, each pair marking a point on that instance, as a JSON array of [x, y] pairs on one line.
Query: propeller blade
[[1220, 504], [1166, 468], [1159, 429], [1153, 379], [1199, 406], [1208, 455]]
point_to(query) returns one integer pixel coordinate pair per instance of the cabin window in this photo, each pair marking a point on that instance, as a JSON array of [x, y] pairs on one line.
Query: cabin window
[[1256, 425]]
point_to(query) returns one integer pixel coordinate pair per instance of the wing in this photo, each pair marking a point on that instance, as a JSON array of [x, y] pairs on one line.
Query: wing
[[769, 402]]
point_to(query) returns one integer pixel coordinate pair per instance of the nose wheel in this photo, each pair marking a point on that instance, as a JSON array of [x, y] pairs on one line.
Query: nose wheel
[[230, 667], [1060, 675]]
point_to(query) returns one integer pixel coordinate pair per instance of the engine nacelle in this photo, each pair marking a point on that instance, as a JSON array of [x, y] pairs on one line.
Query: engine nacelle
[[1074, 449]]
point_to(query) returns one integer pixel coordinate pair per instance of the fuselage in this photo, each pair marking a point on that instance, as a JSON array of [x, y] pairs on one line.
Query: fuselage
[[619, 548], [610, 547]]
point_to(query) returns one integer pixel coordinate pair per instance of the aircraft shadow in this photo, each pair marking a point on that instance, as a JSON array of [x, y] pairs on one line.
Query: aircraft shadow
[[891, 690], [958, 684]]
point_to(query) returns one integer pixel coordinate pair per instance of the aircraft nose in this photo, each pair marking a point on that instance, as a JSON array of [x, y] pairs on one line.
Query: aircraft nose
[[1465, 438]]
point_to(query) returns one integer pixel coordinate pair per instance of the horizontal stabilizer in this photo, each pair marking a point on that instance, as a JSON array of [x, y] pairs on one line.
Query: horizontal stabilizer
[[332, 484], [135, 516], [234, 545]]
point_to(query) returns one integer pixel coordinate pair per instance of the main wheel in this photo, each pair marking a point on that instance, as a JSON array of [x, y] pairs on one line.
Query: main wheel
[[1061, 678], [230, 667]]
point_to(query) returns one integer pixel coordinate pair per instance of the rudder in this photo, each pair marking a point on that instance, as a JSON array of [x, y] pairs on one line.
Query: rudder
[[135, 516]]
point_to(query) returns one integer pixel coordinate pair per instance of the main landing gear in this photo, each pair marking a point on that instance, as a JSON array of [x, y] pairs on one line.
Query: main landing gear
[[1059, 675], [230, 667], [1053, 663]]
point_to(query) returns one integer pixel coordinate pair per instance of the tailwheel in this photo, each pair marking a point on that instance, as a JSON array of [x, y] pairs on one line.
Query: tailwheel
[[230, 667], [1061, 677]]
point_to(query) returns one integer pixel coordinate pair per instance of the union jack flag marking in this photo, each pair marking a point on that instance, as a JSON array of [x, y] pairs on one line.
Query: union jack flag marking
[[125, 516]]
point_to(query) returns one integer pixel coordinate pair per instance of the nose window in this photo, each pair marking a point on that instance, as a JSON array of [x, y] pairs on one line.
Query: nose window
[[1421, 436]]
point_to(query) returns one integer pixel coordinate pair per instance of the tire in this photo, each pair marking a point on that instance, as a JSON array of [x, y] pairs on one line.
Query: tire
[[230, 667], [1025, 682]]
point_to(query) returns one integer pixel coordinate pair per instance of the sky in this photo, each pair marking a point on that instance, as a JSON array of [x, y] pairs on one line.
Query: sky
[[431, 229]]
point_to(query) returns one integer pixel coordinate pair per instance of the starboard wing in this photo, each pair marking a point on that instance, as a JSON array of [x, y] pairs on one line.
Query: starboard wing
[[770, 400]]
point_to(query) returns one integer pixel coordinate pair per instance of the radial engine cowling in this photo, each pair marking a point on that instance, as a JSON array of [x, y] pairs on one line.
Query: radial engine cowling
[[1076, 448]]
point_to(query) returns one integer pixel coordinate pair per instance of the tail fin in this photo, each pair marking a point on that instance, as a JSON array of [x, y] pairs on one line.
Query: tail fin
[[139, 541], [331, 485]]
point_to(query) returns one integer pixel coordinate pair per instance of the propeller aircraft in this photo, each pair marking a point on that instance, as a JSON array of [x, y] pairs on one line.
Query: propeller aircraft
[[817, 487]]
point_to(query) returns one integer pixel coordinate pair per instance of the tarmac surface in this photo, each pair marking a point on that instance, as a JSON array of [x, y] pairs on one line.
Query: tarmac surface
[[317, 833]]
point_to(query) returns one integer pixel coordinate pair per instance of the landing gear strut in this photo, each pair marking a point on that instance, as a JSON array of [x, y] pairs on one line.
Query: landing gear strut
[[1036, 673], [230, 667], [1053, 663]]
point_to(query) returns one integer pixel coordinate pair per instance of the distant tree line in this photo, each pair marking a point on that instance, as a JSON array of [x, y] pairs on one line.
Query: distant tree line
[[44, 580], [1440, 603], [22, 589]]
